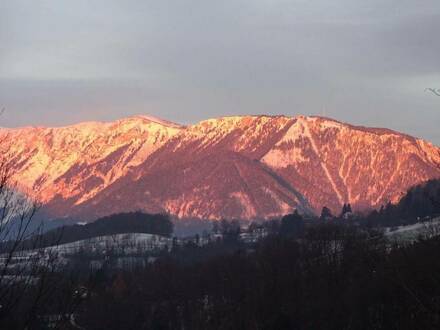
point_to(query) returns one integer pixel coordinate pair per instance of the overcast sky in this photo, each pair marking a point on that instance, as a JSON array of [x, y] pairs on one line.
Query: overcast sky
[[364, 62]]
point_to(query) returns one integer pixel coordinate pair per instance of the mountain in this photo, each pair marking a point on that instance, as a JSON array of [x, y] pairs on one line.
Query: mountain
[[80, 160], [233, 167]]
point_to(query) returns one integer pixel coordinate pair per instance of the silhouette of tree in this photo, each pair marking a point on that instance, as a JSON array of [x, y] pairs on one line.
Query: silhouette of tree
[[29, 282], [292, 225], [326, 214]]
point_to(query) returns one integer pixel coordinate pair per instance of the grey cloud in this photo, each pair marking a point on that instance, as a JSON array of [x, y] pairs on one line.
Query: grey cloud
[[367, 62]]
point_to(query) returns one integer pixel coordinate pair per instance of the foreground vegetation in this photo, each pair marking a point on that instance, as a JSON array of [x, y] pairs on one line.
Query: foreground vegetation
[[333, 277], [335, 272]]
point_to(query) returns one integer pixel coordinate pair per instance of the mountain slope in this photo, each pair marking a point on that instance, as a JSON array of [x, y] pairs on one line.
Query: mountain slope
[[78, 161], [235, 167], [335, 163]]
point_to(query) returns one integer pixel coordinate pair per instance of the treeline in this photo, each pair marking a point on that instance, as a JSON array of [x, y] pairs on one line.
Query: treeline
[[331, 277], [121, 223], [421, 201]]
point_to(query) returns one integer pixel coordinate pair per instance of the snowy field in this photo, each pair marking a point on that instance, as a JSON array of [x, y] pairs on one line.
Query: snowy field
[[127, 244], [412, 232]]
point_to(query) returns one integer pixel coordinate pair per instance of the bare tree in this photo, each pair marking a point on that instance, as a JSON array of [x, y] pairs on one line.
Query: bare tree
[[28, 272]]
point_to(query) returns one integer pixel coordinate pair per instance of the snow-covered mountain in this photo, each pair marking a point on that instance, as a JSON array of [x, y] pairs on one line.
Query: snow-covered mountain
[[80, 160], [234, 167]]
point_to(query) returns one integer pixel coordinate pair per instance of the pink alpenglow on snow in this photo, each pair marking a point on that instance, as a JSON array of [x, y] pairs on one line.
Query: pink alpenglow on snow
[[247, 167]]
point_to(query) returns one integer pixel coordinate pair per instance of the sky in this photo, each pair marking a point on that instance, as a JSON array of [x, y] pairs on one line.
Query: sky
[[363, 62]]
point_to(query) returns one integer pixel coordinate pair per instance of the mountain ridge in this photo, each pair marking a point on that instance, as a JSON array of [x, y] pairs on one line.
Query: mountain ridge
[[255, 166]]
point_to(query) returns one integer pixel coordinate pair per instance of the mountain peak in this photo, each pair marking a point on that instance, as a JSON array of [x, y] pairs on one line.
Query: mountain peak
[[153, 119]]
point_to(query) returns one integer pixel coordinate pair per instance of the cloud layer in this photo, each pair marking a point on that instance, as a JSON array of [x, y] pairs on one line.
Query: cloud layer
[[365, 62]]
